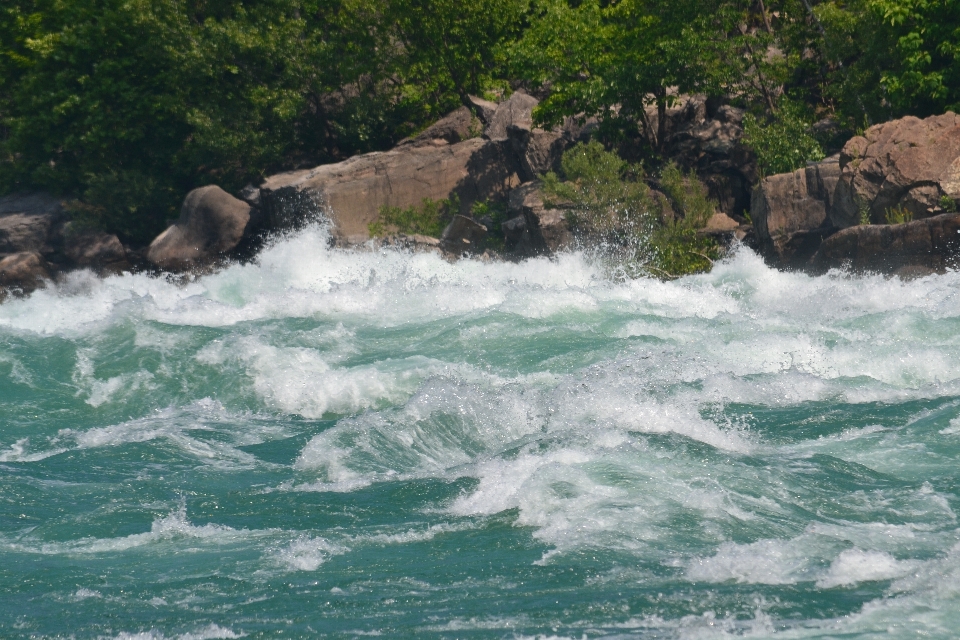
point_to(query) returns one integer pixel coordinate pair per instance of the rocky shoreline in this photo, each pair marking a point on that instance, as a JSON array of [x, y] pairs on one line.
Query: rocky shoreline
[[886, 203]]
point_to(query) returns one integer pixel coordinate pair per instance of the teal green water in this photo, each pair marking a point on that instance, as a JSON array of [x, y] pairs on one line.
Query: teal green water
[[332, 444]]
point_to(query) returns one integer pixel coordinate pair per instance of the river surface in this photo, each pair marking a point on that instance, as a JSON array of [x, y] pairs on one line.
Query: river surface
[[336, 444]]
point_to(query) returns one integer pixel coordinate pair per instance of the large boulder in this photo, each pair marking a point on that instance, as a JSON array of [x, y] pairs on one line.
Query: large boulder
[[532, 228], [484, 109], [517, 110], [351, 193], [211, 224], [456, 126], [95, 250], [22, 272], [909, 164], [446, 160], [537, 150], [790, 212], [929, 244], [27, 222]]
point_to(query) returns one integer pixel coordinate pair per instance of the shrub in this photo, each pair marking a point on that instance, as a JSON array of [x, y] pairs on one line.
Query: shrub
[[496, 214], [898, 215], [429, 219], [679, 248], [602, 193], [607, 200]]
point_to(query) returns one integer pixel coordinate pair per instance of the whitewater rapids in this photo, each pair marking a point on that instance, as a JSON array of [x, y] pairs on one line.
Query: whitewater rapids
[[346, 443]]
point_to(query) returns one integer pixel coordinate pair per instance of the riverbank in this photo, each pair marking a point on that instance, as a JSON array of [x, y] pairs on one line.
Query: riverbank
[[886, 203]]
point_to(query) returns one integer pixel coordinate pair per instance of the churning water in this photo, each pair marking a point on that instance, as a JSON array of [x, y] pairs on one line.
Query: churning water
[[345, 444]]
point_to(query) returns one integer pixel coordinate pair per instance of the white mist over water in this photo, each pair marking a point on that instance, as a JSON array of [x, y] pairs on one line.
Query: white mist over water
[[707, 428]]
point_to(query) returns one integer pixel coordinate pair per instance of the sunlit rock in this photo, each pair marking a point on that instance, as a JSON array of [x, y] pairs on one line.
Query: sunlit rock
[[212, 223], [907, 164]]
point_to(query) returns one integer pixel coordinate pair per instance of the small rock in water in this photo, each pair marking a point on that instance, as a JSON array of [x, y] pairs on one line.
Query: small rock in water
[[23, 272], [97, 250], [212, 223], [463, 235]]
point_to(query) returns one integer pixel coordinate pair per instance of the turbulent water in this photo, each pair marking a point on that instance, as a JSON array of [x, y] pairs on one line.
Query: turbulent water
[[345, 444]]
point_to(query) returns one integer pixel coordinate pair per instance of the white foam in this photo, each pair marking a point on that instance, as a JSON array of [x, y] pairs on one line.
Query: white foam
[[953, 429], [18, 452], [209, 632], [171, 527], [298, 380], [762, 562], [412, 536], [855, 565], [307, 553]]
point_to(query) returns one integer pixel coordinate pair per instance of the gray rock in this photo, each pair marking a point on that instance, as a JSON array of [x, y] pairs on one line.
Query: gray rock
[[212, 223], [787, 208], [706, 138], [23, 272], [532, 228], [484, 109], [463, 235], [907, 163], [537, 150], [455, 127], [516, 111], [920, 246], [27, 222], [97, 250]]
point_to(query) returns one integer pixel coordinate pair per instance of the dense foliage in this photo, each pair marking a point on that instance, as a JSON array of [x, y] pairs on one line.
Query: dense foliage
[[124, 105], [608, 201]]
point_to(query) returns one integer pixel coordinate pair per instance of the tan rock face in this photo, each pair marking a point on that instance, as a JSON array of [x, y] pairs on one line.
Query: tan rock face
[[96, 249], [517, 111], [440, 163], [931, 244], [23, 272], [212, 222], [789, 204], [352, 192], [909, 163], [721, 222]]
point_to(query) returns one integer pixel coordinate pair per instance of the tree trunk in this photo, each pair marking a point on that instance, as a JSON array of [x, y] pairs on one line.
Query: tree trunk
[[661, 120]]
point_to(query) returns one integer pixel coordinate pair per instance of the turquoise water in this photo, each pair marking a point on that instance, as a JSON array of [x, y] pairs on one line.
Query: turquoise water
[[351, 444]]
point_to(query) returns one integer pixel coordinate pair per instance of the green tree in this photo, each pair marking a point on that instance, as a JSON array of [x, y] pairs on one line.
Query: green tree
[[128, 104], [452, 48], [925, 75], [616, 59]]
